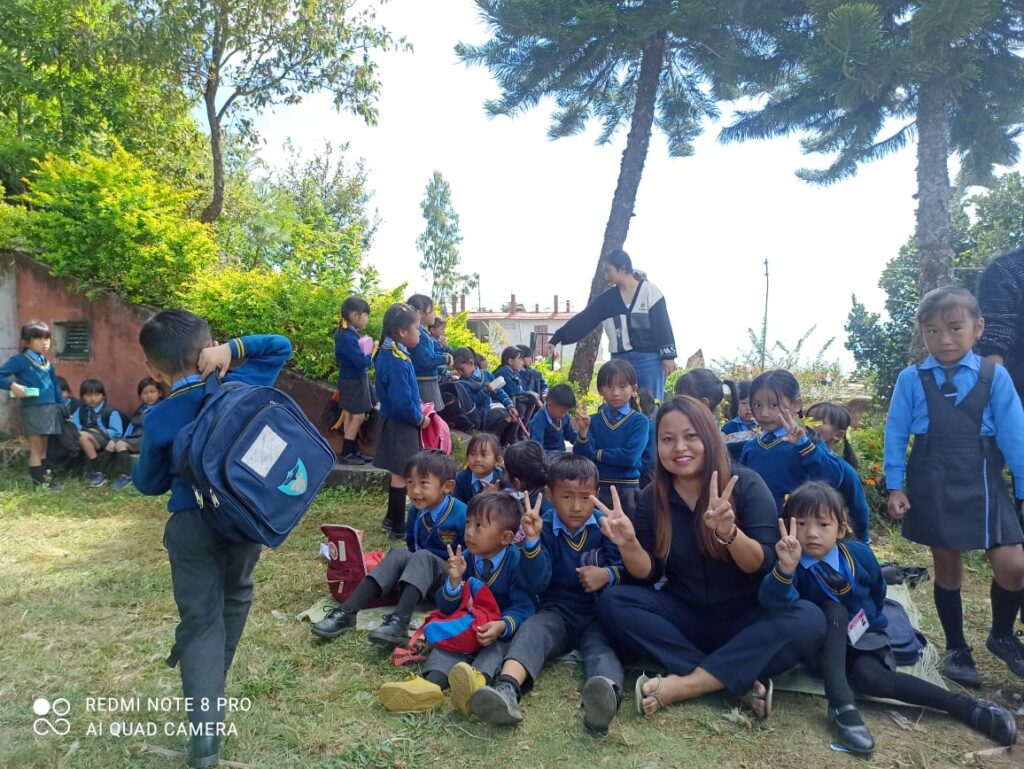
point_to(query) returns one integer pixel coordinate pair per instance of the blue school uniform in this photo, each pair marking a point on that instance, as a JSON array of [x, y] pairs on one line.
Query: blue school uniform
[[436, 528], [784, 466], [102, 417], [534, 380], [517, 604], [552, 433], [396, 384], [514, 384], [29, 369], [737, 425], [856, 501], [651, 450], [485, 397], [467, 485], [427, 357], [616, 443], [135, 426], [549, 564], [352, 362]]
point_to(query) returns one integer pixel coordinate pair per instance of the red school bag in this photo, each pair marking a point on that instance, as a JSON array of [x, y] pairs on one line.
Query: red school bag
[[455, 632], [347, 564]]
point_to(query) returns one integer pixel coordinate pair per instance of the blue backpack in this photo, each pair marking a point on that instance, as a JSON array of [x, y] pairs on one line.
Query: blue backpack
[[254, 461]]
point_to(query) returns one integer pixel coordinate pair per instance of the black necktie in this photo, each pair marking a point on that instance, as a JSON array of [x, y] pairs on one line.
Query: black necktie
[[948, 387], [836, 582], [487, 569]]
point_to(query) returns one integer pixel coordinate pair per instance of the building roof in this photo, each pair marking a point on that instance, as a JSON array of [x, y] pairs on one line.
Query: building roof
[[563, 316]]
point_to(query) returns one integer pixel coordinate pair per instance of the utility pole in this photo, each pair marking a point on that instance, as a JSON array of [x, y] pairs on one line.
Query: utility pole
[[764, 319]]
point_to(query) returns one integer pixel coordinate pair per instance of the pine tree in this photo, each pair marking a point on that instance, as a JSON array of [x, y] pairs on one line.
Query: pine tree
[[439, 243]]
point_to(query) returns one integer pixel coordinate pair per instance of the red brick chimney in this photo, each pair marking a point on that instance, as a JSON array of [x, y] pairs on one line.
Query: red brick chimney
[[512, 306], [462, 303], [554, 307], [567, 306]]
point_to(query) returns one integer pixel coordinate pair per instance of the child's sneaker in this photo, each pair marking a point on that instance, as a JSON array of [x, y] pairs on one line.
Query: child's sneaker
[[464, 679], [497, 705], [958, 665], [1010, 650], [123, 481], [414, 695], [600, 704], [97, 479]]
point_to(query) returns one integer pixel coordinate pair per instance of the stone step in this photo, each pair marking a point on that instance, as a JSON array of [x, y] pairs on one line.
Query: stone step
[[363, 477]]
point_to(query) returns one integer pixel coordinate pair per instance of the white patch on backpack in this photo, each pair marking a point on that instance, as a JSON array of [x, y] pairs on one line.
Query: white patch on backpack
[[264, 452]]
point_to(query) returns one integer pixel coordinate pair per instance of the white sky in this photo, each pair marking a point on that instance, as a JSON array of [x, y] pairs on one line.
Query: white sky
[[533, 211]]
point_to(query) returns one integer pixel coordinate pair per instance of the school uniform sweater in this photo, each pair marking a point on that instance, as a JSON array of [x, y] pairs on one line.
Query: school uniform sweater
[[467, 486], [352, 362], [1000, 296], [549, 564], [485, 397], [101, 417], [908, 415], [864, 584], [737, 425], [397, 390], [71, 405], [426, 357], [784, 466], [651, 449], [641, 326], [856, 501], [155, 473], [552, 434], [534, 380], [32, 372], [435, 528], [137, 422], [517, 604], [616, 443]]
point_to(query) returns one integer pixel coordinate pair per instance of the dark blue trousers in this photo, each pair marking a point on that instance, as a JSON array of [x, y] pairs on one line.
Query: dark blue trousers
[[736, 642]]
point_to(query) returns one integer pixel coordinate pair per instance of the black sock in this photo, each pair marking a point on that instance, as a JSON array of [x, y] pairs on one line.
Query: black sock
[[1005, 605], [349, 448], [871, 677], [396, 508], [408, 600], [437, 677], [366, 591], [951, 615], [832, 660], [38, 474], [92, 465], [504, 679], [123, 463]]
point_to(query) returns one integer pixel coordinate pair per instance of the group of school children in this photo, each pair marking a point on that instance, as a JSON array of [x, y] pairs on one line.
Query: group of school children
[[547, 523], [65, 432]]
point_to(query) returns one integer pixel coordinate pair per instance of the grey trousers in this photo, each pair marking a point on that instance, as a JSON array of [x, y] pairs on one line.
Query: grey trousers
[[422, 569], [212, 580], [488, 660]]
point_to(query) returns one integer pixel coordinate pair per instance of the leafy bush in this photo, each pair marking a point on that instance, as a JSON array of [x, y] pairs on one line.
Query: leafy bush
[[458, 334], [590, 400], [867, 441], [110, 224]]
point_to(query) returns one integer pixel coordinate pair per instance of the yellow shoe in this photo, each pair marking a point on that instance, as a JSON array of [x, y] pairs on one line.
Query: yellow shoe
[[464, 679], [414, 695]]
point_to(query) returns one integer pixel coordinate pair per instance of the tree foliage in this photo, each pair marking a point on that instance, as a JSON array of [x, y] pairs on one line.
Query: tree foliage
[[439, 243]]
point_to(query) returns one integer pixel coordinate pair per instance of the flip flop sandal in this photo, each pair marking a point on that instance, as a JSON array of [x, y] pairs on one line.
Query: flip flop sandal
[[638, 693], [766, 698]]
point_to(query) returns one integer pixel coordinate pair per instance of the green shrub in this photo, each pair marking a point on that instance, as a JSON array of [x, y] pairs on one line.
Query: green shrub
[[458, 334]]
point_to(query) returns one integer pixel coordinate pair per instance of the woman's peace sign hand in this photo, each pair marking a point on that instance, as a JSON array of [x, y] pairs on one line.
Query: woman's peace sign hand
[[532, 523], [615, 524], [795, 431], [720, 514], [788, 547]]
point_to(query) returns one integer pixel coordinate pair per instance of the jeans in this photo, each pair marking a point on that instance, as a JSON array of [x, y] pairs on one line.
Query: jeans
[[649, 372]]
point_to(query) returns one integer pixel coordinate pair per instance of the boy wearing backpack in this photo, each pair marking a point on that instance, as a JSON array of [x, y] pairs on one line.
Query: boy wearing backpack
[[211, 575]]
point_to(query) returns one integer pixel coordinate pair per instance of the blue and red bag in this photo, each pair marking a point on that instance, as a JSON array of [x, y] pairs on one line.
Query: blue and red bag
[[455, 632]]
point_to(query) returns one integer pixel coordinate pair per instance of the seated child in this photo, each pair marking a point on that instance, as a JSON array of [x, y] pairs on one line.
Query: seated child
[[526, 472], [436, 522], [552, 426], [100, 428], [649, 408], [532, 378], [495, 407], [835, 421], [566, 561], [150, 391], [436, 330], [71, 403], [526, 401], [483, 468], [492, 520], [844, 579], [741, 416]]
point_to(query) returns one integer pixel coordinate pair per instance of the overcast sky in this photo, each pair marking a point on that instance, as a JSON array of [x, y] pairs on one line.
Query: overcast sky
[[533, 210]]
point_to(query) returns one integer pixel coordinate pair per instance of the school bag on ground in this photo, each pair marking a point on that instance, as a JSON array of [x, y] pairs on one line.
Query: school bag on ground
[[455, 632], [348, 564], [253, 459], [905, 640], [459, 406]]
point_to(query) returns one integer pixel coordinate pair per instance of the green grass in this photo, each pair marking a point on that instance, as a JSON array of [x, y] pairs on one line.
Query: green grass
[[86, 610]]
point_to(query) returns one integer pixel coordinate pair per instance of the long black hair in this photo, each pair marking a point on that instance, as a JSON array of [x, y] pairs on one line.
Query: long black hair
[[396, 317], [704, 384], [837, 416]]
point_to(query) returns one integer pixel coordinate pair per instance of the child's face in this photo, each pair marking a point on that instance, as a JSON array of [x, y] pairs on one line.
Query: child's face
[[426, 491], [39, 346], [617, 393], [744, 411], [557, 412], [66, 393], [949, 338], [527, 360], [409, 335], [572, 501], [767, 407], [358, 320], [149, 395], [818, 534], [482, 460], [486, 537], [437, 331], [465, 370], [829, 434], [92, 400], [516, 364], [680, 449], [427, 318]]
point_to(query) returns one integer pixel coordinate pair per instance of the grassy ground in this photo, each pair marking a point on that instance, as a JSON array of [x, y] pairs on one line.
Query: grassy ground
[[86, 610]]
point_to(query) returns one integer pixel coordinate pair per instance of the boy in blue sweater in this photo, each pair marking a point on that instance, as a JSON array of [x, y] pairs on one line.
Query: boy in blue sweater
[[496, 409], [492, 520], [532, 378], [566, 562], [437, 521], [552, 426], [211, 576]]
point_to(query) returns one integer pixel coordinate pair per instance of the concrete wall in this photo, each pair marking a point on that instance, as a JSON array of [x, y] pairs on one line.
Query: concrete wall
[[9, 335]]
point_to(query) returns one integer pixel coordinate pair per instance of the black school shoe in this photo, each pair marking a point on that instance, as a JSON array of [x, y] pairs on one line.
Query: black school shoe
[[1010, 650], [338, 622], [497, 705], [203, 752], [394, 632], [854, 737], [600, 704], [958, 665], [1001, 727]]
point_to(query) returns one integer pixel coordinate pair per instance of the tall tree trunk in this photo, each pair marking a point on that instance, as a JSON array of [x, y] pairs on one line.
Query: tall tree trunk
[[213, 211], [630, 171], [934, 224]]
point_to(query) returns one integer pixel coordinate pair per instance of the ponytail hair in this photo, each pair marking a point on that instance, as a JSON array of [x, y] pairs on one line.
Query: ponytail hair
[[779, 382], [352, 305], [420, 302], [620, 260], [617, 370], [838, 417], [396, 317], [703, 384]]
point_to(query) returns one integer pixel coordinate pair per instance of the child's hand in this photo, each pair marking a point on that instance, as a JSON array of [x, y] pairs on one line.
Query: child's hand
[[216, 358], [18, 390], [532, 523], [720, 514], [615, 524], [489, 632], [593, 578], [899, 504], [492, 486], [456, 566], [448, 360], [581, 423], [795, 431], [788, 547]]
